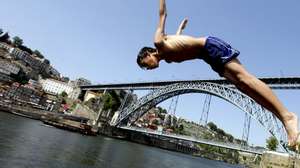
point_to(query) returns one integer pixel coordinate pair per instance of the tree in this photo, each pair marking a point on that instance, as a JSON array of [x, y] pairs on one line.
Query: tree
[[21, 77], [38, 54], [63, 101], [229, 137], [212, 126], [179, 129], [46, 61], [17, 41], [25, 48], [272, 143], [220, 132], [1, 31], [111, 101], [161, 110], [64, 94], [155, 122], [65, 79], [4, 37]]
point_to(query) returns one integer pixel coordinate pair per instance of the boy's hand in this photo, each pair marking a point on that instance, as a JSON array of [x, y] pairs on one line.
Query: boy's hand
[[182, 26], [184, 22]]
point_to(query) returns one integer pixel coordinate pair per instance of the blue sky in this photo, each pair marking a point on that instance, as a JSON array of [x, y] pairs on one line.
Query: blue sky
[[100, 39]]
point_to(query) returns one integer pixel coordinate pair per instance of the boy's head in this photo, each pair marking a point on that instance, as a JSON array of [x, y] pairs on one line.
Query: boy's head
[[148, 58]]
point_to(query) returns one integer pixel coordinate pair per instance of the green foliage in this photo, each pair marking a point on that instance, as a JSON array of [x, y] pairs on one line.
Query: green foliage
[[38, 54], [180, 129], [64, 94], [161, 110], [62, 98], [272, 143], [230, 137], [155, 122], [21, 77], [46, 61], [208, 148], [73, 106], [64, 101], [207, 136], [111, 101], [212, 126], [220, 132], [25, 48], [17, 41], [65, 79], [162, 116], [93, 103]]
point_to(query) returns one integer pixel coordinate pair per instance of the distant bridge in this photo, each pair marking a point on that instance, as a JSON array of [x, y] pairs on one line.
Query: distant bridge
[[163, 90], [136, 110]]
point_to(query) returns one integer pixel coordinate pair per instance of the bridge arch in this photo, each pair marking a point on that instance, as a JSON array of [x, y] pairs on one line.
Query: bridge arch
[[271, 123]]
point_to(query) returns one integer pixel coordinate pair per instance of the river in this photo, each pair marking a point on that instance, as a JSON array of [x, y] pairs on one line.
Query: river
[[26, 143]]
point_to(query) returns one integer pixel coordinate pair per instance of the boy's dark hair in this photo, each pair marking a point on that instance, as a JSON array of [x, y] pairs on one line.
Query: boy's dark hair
[[142, 54]]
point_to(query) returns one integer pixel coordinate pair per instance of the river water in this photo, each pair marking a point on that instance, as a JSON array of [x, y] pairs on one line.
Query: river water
[[26, 143]]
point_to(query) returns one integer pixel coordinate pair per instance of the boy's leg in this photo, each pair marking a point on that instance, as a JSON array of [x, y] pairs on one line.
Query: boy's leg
[[262, 94]]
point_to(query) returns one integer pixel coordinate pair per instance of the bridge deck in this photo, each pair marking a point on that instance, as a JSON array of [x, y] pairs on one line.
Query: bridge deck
[[274, 83], [202, 141]]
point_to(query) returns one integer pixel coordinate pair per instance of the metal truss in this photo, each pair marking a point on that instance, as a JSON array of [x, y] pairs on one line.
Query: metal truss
[[205, 110], [134, 111], [173, 106], [246, 129]]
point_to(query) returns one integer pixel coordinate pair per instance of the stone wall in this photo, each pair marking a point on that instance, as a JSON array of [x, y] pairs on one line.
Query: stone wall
[[82, 111]]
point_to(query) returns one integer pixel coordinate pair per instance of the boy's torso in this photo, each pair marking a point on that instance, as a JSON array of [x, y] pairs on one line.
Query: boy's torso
[[178, 48]]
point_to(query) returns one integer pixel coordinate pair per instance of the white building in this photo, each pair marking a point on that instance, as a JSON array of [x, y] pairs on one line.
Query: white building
[[75, 93], [89, 95], [55, 87]]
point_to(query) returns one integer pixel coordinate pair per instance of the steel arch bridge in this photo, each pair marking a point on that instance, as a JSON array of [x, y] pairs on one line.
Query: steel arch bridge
[[135, 110]]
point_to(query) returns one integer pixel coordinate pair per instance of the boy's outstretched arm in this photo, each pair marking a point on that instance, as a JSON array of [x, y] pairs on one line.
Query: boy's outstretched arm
[[160, 31], [182, 26]]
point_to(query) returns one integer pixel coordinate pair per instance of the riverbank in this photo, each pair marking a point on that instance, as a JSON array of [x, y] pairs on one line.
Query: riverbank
[[181, 146]]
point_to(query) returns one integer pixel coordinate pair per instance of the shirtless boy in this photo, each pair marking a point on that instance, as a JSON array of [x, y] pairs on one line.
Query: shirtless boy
[[223, 59]]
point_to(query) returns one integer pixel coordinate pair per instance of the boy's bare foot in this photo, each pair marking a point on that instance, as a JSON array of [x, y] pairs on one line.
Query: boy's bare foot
[[291, 125]]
